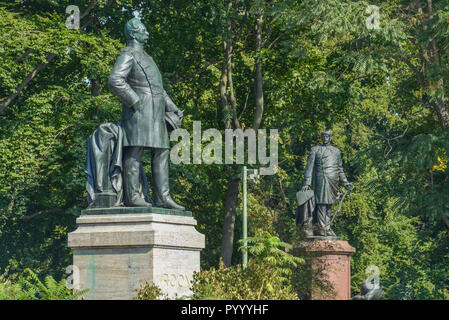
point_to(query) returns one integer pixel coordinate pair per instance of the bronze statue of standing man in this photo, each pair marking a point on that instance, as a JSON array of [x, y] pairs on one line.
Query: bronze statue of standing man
[[323, 174], [137, 82]]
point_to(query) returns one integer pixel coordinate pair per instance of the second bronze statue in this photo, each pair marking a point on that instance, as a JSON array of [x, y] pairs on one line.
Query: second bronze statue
[[322, 176], [137, 82]]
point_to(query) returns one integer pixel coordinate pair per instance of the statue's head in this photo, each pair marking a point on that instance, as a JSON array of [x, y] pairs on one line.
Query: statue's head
[[326, 137], [135, 29]]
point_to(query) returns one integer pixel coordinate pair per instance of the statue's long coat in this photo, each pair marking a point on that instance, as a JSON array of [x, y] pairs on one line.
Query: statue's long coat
[[136, 78], [324, 171]]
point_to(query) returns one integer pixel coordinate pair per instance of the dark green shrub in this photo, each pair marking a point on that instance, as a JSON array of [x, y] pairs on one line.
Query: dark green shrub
[[259, 281], [149, 291], [29, 287]]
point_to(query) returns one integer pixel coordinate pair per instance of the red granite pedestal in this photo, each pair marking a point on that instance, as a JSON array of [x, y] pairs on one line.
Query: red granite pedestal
[[330, 259]]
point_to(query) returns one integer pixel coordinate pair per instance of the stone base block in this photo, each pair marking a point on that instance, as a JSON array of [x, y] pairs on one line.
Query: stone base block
[[330, 261], [116, 253]]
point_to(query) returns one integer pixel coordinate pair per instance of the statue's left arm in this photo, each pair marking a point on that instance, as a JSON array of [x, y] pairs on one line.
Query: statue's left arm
[[170, 106]]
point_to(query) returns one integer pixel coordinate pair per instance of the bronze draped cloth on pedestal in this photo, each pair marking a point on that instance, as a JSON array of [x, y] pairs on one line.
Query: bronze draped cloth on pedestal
[[305, 208], [104, 164]]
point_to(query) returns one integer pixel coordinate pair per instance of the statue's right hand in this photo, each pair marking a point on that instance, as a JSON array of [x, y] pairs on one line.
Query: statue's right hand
[[305, 188]]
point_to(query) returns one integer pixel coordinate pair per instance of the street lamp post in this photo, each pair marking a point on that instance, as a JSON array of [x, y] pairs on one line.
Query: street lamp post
[[248, 175], [245, 219]]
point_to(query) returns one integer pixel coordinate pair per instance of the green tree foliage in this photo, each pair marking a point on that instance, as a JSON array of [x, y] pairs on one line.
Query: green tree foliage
[[43, 135], [270, 250]]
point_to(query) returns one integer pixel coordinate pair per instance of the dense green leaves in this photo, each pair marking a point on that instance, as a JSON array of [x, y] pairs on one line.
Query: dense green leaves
[[258, 281]]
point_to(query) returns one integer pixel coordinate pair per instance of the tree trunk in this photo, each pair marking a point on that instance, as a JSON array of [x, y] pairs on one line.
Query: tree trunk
[[442, 112], [227, 243], [232, 192], [224, 98], [229, 105], [258, 79], [440, 104], [446, 221], [96, 86]]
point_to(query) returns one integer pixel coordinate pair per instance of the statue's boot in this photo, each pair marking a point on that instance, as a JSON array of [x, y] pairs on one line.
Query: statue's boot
[[161, 189], [139, 202], [308, 231], [330, 233], [131, 169], [325, 233], [169, 203]]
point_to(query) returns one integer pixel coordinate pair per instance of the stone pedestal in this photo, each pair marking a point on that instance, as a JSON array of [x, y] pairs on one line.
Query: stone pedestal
[[116, 250], [329, 260]]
